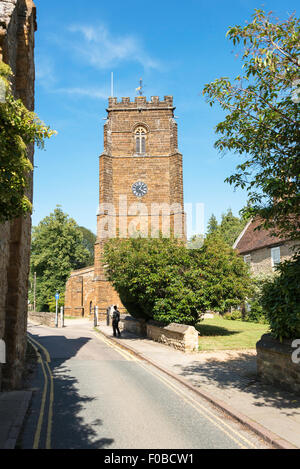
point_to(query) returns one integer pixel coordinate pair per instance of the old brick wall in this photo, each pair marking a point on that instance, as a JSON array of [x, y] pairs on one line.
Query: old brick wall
[[17, 27]]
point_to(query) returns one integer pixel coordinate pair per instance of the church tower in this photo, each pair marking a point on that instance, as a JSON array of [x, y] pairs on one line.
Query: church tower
[[140, 186]]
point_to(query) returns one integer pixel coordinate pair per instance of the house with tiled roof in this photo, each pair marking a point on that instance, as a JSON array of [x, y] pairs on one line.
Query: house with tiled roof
[[261, 250]]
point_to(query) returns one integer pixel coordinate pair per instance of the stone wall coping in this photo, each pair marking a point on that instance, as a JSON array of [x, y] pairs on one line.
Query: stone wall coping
[[126, 317], [273, 345], [174, 327], [74, 273]]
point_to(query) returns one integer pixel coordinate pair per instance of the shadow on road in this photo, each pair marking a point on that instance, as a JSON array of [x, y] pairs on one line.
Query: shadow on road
[[70, 429]]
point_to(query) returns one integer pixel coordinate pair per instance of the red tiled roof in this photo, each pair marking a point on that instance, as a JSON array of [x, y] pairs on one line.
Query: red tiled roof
[[251, 239]]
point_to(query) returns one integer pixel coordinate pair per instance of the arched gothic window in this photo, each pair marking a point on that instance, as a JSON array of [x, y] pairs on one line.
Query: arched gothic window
[[140, 140]]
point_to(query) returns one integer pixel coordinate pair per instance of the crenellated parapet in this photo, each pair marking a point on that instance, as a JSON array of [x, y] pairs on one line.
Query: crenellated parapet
[[139, 102]]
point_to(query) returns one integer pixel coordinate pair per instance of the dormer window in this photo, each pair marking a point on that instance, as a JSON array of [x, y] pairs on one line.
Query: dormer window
[[140, 140]]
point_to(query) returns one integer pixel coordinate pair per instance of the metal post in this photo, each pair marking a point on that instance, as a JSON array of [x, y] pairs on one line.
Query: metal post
[[56, 312], [95, 317], [34, 292], [62, 316]]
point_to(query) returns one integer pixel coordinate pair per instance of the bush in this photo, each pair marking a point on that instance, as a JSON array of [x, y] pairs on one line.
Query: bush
[[255, 313], [235, 315], [163, 280], [281, 300]]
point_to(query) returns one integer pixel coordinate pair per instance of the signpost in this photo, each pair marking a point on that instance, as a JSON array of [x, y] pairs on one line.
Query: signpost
[[62, 316], [56, 315]]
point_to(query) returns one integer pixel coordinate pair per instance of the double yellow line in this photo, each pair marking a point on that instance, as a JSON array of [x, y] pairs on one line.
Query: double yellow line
[[240, 440], [45, 366]]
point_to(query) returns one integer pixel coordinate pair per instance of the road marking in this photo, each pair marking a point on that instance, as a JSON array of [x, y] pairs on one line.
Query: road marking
[[128, 356], [48, 359], [44, 396], [50, 413], [195, 404]]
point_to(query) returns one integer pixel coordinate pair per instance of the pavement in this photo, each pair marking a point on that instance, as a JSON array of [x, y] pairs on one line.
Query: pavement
[[13, 409], [228, 380]]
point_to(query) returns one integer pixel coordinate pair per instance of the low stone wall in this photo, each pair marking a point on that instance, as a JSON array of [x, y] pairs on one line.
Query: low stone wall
[[178, 336], [275, 365], [44, 319], [135, 326]]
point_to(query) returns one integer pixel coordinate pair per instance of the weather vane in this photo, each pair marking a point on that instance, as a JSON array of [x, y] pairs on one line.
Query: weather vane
[[140, 88]]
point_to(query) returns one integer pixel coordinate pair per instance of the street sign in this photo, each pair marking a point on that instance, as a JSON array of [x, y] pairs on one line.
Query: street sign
[[57, 296]]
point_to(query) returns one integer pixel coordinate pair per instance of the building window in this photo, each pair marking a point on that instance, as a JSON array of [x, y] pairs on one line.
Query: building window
[[275, 256], [140, 140], [247, 259]]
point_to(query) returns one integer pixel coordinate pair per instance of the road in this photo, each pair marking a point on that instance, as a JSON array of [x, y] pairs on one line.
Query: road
[[90, 394]]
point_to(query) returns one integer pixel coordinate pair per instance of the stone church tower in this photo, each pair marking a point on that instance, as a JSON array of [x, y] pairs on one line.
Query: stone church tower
[[141, 190]]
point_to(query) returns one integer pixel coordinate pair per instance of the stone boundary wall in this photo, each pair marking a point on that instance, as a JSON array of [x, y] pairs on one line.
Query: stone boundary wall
[[275, 365], [43, 319], [17, 29], [135, 326], [178, 336]]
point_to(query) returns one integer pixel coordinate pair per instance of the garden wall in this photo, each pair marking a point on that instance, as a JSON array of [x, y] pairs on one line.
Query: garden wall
[[43, 319], [178, 336], [275, 365]]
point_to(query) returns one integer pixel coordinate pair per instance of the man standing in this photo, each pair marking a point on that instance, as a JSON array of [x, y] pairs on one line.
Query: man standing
[[115, 322]]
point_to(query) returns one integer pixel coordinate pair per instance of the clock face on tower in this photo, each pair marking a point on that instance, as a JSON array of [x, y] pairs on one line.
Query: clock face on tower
[[139, 189]]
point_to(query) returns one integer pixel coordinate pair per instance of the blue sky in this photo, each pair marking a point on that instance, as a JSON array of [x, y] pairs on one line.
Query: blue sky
[[176, 47]]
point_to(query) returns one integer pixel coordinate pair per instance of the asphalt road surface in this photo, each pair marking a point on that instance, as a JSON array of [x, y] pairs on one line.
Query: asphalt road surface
[[89, 394]]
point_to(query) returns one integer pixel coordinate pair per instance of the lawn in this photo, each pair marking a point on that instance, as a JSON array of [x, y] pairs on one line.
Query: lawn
[[222, 334]]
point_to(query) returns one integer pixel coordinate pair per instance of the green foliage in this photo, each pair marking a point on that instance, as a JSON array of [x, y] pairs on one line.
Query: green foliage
[[254, 310], [262, 121], [18, 129], [234, 315], [212, 226], [229, 229], [163, 280], [281, 300], [227, 281], [89, 239], [255, 313], [57, 249]]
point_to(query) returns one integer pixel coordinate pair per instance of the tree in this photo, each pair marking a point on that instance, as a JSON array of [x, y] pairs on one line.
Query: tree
[[18, 129], [212, 225], [226, 278], [229, 229], [164, 280], [281, 300], [262, 121], [89, 239], [57, 249]]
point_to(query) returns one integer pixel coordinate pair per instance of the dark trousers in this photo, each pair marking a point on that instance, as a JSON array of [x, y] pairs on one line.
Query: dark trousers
[[116, 329]]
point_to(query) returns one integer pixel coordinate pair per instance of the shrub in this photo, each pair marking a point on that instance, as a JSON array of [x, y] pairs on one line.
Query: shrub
[[281, 300], [255, 313], [235, 315], [163, 280]]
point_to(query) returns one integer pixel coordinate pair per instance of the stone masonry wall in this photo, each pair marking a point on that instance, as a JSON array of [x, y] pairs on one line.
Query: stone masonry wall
[[160, 167], [275, 364], [261, 258], [178, 336], [17, 27]]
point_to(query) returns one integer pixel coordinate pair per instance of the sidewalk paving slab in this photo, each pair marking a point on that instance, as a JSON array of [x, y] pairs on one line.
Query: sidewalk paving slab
[[13, 409], [228, 380]]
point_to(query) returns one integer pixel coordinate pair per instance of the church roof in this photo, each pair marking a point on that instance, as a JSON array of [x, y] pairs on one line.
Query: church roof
[[251, 239]]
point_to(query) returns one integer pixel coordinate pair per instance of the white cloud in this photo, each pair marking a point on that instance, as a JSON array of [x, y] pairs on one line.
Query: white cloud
[[104, 50], [98, 93]]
